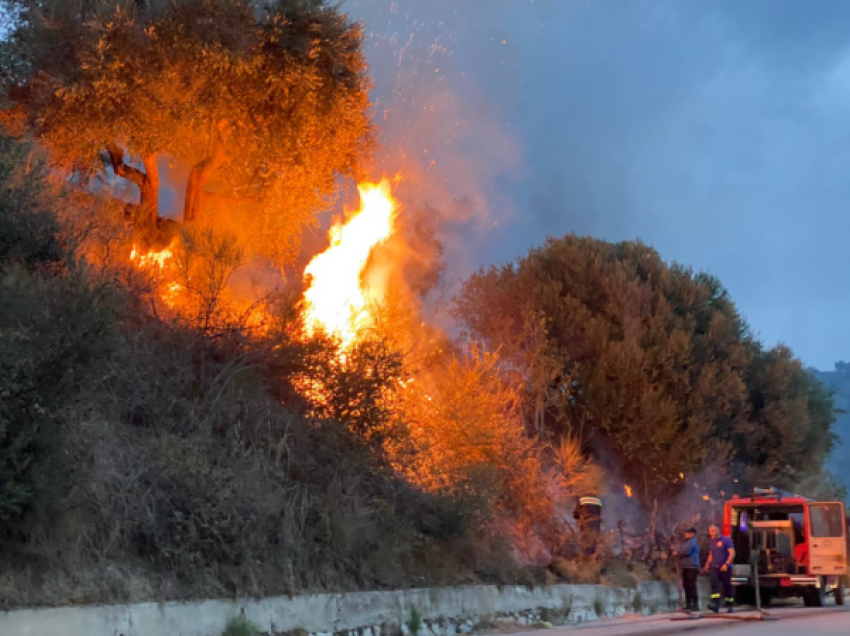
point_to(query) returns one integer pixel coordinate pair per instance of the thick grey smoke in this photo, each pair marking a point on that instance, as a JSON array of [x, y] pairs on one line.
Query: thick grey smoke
[[441, 130], [714, 131]]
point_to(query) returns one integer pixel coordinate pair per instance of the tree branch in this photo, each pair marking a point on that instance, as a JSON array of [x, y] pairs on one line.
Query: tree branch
[[121, 169]]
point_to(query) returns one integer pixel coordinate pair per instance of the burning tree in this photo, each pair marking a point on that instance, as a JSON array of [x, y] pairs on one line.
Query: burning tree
[[268, 106]]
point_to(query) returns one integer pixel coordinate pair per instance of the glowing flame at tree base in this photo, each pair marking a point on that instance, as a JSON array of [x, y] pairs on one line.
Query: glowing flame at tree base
[[158, 262], [336, 299]]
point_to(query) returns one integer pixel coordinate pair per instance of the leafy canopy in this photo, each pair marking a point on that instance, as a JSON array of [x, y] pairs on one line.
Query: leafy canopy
[[649, 365], [272, 102]]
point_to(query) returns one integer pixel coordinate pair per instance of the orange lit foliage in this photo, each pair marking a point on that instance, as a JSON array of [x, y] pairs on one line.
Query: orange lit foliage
[[268, 106], [190, 280], [354, 385], [465, 437]]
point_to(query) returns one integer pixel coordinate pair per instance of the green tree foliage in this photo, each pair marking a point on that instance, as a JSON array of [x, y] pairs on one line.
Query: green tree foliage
[[55, 327], [28, 225], [269, 107], [839, 381], [788, 434], [648, 362]]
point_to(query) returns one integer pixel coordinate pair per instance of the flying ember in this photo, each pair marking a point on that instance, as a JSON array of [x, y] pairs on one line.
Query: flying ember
[[628, 491], [336, 299]]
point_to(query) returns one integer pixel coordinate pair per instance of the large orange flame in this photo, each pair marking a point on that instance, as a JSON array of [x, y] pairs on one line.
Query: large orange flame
[[336, 299], [157, 262]]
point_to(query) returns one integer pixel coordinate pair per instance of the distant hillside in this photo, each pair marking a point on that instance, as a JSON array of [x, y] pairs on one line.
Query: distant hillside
[[839, 380]]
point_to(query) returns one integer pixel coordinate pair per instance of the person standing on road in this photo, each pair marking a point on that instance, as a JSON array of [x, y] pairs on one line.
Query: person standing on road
[[719, 566], [688, 554]]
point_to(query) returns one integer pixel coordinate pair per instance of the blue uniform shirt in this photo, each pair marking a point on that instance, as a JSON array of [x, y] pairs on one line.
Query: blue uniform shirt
[[720, 548], [689, 554]]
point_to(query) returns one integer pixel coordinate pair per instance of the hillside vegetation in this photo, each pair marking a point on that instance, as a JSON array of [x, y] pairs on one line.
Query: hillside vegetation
[[145, 457], [164, 436]]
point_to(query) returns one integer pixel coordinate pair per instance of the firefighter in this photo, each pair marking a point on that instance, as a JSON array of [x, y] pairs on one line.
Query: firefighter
[[688, 554], [588, 514], [719, 566]]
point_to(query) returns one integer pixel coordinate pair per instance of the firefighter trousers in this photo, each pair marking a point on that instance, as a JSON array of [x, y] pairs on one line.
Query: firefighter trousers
[[721, 584]]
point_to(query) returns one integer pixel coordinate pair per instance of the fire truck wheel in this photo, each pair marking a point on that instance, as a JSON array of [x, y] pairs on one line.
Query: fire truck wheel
[[818, 594], [814, 596]]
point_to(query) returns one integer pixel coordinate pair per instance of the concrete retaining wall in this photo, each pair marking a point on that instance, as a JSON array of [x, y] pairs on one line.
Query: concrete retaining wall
[[438, 611]]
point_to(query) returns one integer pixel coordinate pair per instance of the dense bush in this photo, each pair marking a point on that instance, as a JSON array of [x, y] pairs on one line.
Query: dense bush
[[56, 327]]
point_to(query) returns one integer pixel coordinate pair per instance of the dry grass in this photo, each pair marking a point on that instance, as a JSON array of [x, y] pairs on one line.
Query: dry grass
[[577, 571], [192, 474]]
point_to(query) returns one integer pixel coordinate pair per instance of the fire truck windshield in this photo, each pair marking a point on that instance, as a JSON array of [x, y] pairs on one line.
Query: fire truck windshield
[[826, 520]]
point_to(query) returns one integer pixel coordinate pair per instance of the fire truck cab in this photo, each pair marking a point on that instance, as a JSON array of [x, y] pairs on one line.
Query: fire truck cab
[[799, 547]]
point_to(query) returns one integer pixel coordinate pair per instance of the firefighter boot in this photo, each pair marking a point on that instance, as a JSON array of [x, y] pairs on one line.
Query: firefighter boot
[[714, 606], [729, 603]]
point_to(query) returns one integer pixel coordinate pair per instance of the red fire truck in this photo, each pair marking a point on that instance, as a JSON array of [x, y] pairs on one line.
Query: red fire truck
[[788, 546]]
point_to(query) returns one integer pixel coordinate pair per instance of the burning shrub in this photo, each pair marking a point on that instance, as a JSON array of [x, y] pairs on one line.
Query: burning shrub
[[464, 437], [357, 390], [204, 261]]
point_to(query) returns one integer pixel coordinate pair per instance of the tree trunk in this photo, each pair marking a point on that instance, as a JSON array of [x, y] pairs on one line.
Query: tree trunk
[[147, 182], [149, 211], [198, 178]]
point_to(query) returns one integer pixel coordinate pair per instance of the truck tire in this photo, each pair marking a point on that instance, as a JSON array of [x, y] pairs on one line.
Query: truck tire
[[818, 594], [808, 596]]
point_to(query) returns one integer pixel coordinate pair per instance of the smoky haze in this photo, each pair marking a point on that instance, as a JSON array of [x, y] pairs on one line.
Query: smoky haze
[[716, 132]]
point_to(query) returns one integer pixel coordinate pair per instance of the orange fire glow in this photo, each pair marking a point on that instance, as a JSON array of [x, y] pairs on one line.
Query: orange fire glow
[[152, 258], [157, 261], [628, 490], [337, 297]]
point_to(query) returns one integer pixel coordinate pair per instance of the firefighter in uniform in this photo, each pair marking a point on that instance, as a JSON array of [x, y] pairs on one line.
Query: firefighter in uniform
[[588, 514], [719, 566]]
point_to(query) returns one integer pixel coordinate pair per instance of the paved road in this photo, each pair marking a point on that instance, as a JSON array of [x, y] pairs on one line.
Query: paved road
[[831, 622], [792, 622]]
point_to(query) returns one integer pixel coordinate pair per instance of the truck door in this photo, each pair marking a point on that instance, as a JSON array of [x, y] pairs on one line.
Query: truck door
[[827, 537]]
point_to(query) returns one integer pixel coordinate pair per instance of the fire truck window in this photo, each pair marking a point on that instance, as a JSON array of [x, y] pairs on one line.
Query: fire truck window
[[826, 520]]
